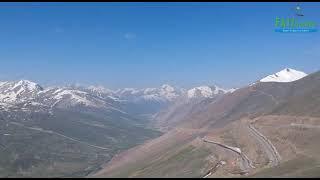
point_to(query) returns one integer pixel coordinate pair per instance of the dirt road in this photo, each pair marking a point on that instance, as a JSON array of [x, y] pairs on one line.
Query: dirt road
[[267, 146], [245, 163], [58, 134]]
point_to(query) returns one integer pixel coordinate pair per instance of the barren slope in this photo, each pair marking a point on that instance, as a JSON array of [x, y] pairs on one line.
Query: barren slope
[[270, 123]]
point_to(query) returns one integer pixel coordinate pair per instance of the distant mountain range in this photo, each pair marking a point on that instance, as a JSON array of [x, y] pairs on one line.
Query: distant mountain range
[[33, 94], [14, 92], [70, 131]]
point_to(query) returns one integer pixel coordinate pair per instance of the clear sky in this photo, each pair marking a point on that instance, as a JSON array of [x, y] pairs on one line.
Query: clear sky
[[148, 44]]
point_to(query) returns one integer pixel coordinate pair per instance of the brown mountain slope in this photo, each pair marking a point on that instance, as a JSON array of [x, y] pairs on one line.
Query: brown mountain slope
[[247, 132], [178, 112], [260, 99], [304, 98]]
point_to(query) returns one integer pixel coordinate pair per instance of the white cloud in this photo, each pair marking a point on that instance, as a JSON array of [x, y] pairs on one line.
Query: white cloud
[[130, 35]]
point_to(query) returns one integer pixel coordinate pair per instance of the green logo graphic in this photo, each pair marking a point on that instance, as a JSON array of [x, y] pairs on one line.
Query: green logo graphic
[[295, 24]]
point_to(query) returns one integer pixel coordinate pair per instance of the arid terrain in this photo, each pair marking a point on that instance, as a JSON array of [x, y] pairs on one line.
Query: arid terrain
[[267, 129]]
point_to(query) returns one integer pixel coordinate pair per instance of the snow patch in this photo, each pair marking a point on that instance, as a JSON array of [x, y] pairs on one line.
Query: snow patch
[[74, 95], [206, 91], [285, 75]]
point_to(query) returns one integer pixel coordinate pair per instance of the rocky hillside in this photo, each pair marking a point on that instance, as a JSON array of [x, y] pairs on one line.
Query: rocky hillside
[[264, 129]]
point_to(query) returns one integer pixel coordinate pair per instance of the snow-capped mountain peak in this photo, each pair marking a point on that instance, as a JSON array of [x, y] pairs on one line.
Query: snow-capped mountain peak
[[13, 91], [167, 88], [169, 92], [163, 93], [205, 91], [100, 89], [285, 75], [29, 85]]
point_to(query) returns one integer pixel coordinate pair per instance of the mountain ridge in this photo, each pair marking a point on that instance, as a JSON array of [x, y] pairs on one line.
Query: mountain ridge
[[270, 122]]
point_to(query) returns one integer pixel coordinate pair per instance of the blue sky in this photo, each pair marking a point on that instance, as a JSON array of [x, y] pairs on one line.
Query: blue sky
[[148, 44]]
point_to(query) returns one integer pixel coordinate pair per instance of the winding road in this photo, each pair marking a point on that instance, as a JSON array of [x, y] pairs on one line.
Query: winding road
[[268, 147], [245, 163], [214, 169]]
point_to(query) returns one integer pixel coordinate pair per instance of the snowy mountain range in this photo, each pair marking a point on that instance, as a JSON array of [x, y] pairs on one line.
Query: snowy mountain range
[[24, 91], [206, 91], [100, 122]]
